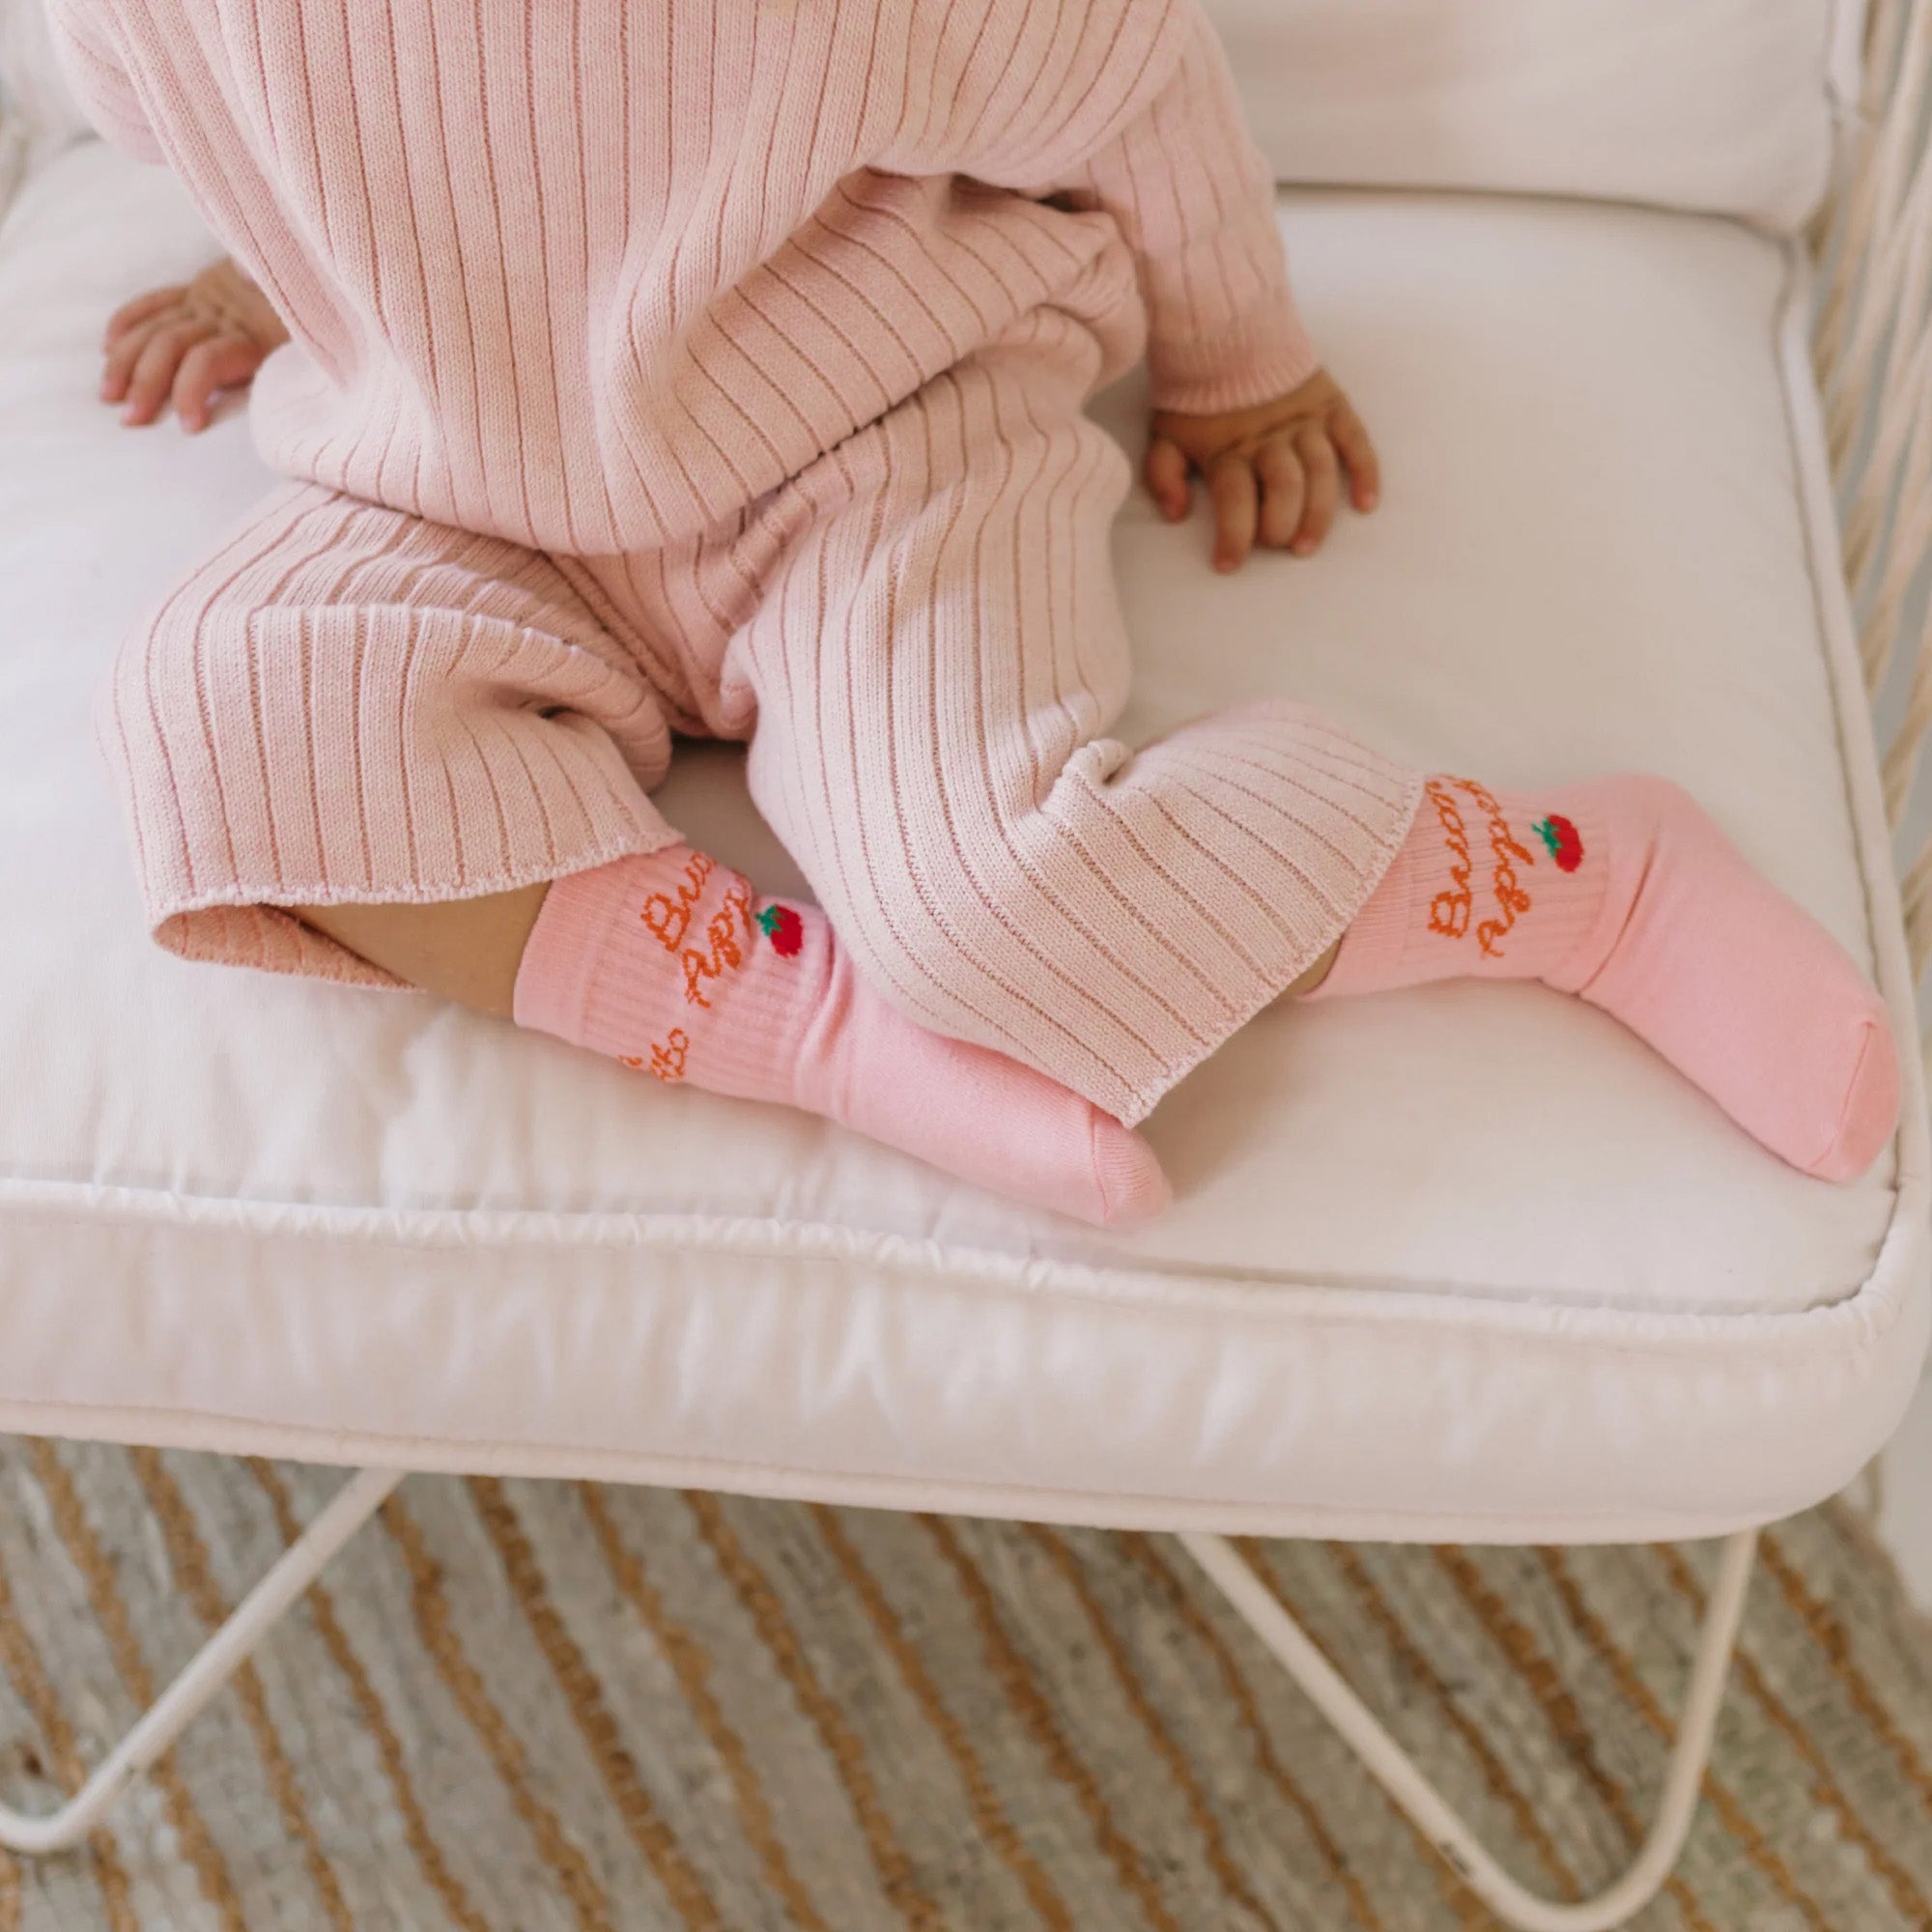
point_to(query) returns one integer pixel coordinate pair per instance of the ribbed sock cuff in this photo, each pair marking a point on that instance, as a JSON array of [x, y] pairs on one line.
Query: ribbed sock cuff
[[575, 926], [754, 1037], [729, 1006], [1460, 900]]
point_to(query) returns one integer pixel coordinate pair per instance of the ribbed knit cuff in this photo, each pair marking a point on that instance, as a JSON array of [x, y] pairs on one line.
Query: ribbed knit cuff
[[1376, 941], [1264, 355], [729, 1002], [1441, 912], [574, 927], [759, 1035]]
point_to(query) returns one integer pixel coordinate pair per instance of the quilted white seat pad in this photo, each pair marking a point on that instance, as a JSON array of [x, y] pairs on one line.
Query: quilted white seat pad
[[1461, 1261]]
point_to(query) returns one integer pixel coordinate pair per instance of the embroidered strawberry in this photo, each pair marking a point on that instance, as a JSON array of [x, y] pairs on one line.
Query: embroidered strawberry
[[1565, 843], [784, 928]]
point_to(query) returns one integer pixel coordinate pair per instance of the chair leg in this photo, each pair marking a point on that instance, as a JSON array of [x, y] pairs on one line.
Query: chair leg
[[1392, 1768], [206, 1671]]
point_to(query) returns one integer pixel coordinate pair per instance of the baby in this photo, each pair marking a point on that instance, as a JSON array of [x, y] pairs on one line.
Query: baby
[[648, 367]]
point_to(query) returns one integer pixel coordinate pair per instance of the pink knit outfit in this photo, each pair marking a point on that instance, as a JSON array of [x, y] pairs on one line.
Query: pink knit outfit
[[717, 366]]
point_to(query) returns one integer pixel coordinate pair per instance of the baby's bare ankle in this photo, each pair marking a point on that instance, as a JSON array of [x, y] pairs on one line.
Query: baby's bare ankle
[[466, 950]]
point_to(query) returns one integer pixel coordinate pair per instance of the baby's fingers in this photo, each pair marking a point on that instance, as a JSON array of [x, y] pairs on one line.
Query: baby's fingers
[[153, 374], [143, 308], [1365, 469], [222, 362], [1283, 490], [1324, 490], [122, 356], [1166, 475], [1231, 482]]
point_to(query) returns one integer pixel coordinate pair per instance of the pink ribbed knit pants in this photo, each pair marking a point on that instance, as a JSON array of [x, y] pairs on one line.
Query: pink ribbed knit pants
[[920, 638]]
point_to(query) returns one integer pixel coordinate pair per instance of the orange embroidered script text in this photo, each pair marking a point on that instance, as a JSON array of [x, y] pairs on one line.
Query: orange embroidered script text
[[1449, 909], [1511, 898], [668, 918], [729, 924]]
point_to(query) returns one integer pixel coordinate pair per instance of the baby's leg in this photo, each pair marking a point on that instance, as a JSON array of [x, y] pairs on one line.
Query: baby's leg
[[936, 665], [347, 706], [362, 747], [674, 965], [465, 950], [669, 964], [938, 660]]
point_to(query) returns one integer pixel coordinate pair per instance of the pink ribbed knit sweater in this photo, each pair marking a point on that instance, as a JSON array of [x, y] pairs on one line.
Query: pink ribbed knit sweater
[[590, 274], [719, 365]]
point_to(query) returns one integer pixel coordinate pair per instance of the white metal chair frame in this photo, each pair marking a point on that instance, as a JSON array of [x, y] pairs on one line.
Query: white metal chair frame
[[1874, 350]]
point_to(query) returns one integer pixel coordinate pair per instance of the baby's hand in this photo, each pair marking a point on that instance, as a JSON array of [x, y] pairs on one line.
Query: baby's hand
[[1274, 471], [185, 345]]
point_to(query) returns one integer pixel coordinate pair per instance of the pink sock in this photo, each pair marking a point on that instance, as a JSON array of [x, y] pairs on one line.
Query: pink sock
[[1624, 893], [669, 965]]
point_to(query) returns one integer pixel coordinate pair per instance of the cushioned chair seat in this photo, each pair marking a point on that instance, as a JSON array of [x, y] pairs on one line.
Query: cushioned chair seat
[[1466, 1261]]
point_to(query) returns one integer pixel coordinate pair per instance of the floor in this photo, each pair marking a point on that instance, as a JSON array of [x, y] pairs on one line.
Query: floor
[[1905, 1497], [536, 1707]]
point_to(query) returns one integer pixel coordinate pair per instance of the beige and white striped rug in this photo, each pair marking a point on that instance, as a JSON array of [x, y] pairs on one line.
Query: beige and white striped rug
[[521, 1706]]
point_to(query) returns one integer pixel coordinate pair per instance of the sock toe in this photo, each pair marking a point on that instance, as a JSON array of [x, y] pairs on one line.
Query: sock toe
[[1870, 1112], [1745, 992], [1132, 1187]]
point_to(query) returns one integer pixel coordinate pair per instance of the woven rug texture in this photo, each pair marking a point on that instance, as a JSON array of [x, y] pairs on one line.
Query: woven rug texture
[[545, 1707]]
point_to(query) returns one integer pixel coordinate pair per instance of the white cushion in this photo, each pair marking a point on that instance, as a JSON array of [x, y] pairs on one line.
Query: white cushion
[[1727, 106], [1466, 1261], [38, 112]]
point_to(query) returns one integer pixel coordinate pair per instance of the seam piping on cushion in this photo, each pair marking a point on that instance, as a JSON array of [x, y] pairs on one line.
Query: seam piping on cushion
[[868, 1489], [1869, 1310]]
